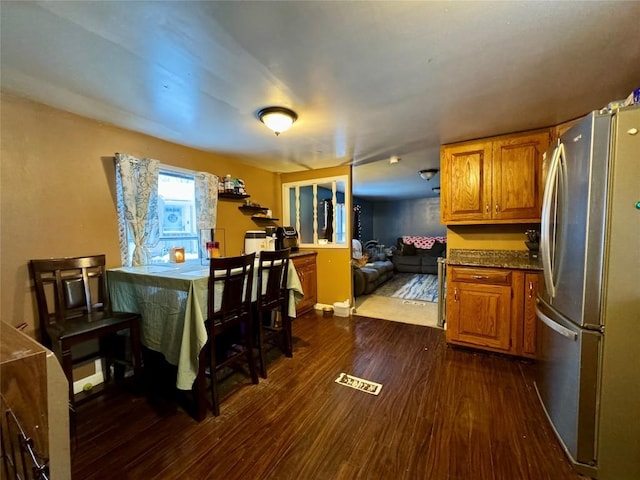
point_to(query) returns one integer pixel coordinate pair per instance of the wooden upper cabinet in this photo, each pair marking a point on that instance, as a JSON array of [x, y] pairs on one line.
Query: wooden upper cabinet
[[517, 177], [496, 180], [468, 168]]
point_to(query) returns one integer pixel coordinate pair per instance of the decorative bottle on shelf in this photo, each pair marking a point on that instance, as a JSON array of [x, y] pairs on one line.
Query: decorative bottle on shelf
[[221, 185], [228, 184]]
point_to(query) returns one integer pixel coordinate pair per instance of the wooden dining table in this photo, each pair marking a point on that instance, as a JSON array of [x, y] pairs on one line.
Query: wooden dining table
[[172, 300]]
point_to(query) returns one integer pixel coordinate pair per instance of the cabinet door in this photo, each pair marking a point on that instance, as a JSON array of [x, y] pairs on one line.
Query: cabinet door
[[529, 339], [309, 287], [465, 187], [306, 268], [517, 177], [479, 315]]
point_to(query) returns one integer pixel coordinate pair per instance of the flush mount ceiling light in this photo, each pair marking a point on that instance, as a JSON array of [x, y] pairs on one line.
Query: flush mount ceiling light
[[428, 174], [394, 159], [278, 119]]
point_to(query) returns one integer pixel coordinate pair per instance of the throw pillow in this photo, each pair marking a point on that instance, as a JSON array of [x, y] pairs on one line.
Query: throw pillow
[[438, 249], [408, 249]]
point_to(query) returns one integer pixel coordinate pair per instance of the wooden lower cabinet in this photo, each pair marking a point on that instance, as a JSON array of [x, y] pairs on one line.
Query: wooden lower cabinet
[[529, 338], [307, 272], [492, 309]]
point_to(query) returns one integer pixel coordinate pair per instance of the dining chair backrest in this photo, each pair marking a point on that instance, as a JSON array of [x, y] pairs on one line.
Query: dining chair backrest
[[231, 281], [68, 288], [274, 267], [76, 321], [229, 309]]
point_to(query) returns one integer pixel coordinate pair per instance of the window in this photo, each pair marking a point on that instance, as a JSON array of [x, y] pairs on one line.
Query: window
[[317, 209], [161, 207], [177, 212]]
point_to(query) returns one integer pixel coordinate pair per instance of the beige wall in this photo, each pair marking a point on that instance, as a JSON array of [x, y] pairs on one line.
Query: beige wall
[[58, 196], [334, 264]]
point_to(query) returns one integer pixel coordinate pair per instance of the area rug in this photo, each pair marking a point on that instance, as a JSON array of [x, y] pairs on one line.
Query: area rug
[[410, 286], [414, 312]]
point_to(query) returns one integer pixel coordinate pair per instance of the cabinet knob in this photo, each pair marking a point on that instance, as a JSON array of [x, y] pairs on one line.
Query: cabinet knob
[[530, 289], [480, 277], [497, 208], [455, 294], [486, 208]]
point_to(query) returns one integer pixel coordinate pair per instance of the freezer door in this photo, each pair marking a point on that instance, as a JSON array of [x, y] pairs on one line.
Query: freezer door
[[566, 383]]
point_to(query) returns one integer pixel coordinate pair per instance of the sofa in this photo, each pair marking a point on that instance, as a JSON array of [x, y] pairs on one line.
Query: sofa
[[417, 254], [368, 275]]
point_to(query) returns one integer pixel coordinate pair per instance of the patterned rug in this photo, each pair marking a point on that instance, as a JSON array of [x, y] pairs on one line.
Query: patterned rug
[[410, 286]]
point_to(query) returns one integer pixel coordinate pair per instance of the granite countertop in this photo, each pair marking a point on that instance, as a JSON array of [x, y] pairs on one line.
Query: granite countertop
[[301, 253], [494, 258]]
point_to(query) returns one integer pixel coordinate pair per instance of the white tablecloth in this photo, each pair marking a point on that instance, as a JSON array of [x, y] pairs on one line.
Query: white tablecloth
[[172, 300]]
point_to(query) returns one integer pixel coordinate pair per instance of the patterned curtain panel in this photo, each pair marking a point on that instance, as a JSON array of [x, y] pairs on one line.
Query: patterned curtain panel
[[206, 192], [137, 203]]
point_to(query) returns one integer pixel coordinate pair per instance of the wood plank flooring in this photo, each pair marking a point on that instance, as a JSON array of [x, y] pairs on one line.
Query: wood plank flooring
[[442, 414]]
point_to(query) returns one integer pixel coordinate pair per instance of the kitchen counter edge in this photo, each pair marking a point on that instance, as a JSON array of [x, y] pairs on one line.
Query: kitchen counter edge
[[517, 259]]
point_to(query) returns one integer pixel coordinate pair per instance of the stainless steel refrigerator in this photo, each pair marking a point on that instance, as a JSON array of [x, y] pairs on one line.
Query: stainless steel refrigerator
[[588, 308]]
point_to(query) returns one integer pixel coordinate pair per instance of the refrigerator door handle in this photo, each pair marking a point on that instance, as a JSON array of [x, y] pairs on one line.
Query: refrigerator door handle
[[570, 334], [545, 233]]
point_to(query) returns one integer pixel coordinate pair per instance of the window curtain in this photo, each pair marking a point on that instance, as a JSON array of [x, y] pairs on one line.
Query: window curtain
[[206, 199], [137, 204]]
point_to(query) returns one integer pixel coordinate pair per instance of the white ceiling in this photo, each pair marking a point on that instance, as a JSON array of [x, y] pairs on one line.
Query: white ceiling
[[368, 79]]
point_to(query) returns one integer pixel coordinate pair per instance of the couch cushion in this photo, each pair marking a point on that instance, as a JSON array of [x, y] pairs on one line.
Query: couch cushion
[[407, 250], [370, 274], [384, 266]]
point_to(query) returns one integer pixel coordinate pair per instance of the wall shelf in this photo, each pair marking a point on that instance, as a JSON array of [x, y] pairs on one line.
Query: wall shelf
[[249, 208], [266, 219], [233, 196]]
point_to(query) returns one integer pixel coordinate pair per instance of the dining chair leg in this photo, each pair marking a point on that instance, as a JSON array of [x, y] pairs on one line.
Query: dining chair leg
[[67, 368], [248, 339], [215, 398], [136, 353], [260, 337], [287, 336]]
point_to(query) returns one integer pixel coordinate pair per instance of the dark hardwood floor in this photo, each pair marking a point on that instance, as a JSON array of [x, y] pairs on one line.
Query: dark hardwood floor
[[443, 413]]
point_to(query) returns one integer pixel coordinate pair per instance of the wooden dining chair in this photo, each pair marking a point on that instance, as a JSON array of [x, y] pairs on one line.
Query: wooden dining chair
[[76, 321], [273, 269], [229, 312]]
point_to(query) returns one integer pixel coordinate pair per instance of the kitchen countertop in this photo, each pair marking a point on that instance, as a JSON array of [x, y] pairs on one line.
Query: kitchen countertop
[[302, 253], [493, 258]]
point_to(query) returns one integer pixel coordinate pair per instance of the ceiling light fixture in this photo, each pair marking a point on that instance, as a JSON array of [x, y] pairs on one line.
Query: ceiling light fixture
[[428, 174], [278, 119], [394, 159]]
